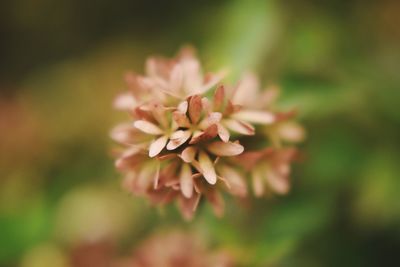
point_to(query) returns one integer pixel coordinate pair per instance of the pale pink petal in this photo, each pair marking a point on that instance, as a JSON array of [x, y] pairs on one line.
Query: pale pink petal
[[211, 81], [247, 91], [146, 82], [157, 146], [188, 206], [195, 108], [255, 116], [239, 127], [125, 101], [258, 183], [147, 127], [225, 149], [235, 180], [156, 176], [178, 138], [144, 179], [129, 159], [159, 114], [291, 132], [212, 118], [122, 133], [132, 150], [183, 107], [192, 75], [207, 168], [188, 154], [162, 84], [269, 95], [186, 181], [217, 202], [223, 133], [279, 183], [151, 67], [176, 78], [177, 134]]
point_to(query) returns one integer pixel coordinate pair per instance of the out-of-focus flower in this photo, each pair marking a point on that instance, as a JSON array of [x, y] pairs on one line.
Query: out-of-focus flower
[[176, 249], [170, 249], [182, 143]]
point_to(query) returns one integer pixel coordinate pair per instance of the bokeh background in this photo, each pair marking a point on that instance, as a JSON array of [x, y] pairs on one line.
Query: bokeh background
[[337, 62]]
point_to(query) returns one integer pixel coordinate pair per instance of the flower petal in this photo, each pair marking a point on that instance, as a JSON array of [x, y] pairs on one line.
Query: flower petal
[[192, 73], [125, 101], [291, 132], [247, 90], [225, 149], [258, 183], [147, 127], [178, 138], [207, 168], [211, 80], [188, 206], [278, 182], [239, 127], [188, 154], [235, 180], [209, 133], [183, 107], [159, 113], [255, 116], [176, 78], [212, 118], [223, 133], [219, 97], [181, 119], [217, 202], [157, 146], [186, 181], [122, 133], [156, 176], [144, 179], [195, 108]]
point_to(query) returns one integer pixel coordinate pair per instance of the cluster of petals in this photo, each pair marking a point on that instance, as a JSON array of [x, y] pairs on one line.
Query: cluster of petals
[[191, 137]]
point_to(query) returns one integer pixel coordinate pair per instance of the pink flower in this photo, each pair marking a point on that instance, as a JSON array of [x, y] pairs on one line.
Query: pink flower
[[181, 145], [176, 249]]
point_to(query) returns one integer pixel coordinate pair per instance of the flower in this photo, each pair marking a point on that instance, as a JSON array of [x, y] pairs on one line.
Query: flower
[[183, 145], [176, 249], [170, 249]]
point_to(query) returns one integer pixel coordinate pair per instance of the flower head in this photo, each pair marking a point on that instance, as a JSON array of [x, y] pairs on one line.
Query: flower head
[[177, 249], [183, 145]]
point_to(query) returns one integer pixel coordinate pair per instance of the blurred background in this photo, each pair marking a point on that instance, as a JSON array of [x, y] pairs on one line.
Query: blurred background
[[337, 62]]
